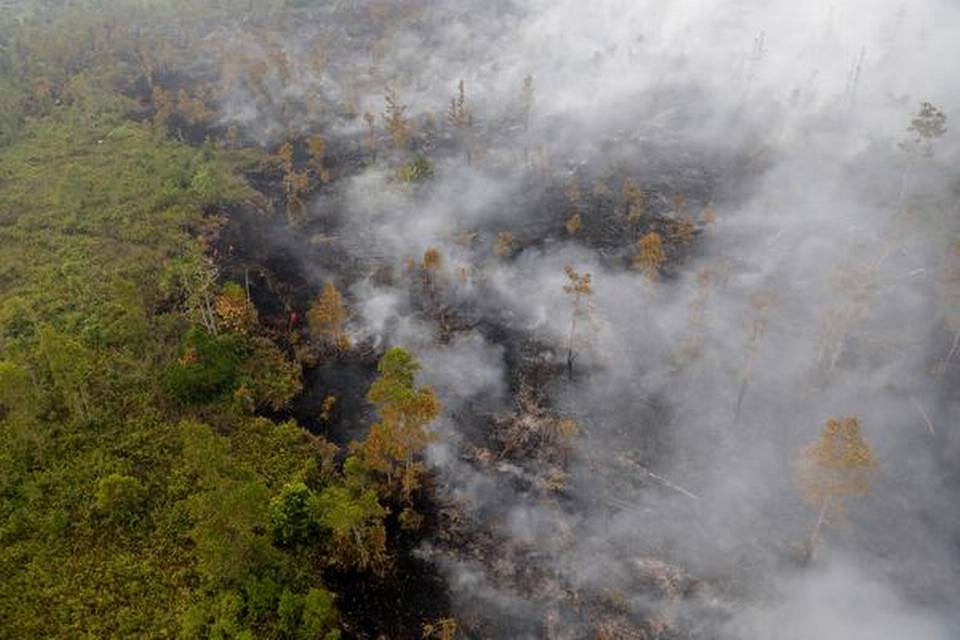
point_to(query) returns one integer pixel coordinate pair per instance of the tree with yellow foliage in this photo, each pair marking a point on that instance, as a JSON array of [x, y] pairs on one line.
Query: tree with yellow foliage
[[650, 256], [574, 224], [839, 465], [580, 289], [391, 452], [327, 319], [235, 310]]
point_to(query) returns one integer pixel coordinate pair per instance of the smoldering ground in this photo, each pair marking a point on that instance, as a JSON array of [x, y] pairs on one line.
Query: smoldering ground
[[818, 291]]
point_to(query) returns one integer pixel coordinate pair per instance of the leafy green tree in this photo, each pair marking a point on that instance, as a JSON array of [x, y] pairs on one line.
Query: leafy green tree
[[120, 498], [217, 619], [207, 367], [267, 377], [393, 446], [208, 184], [229, 528], [309, 616], [354, 520], [291, 516], [70, 366], [17, 393]]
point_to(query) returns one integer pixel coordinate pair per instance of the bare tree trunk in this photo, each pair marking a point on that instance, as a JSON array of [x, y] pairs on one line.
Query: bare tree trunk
[[740, 396], [905, 182], [815, 534], [570, 354]]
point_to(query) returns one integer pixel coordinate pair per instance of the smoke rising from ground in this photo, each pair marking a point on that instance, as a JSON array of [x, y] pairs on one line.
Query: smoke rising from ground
[[784, 117]]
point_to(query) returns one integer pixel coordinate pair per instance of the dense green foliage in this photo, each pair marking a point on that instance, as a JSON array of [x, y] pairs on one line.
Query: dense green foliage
[[140, 493], [117, 517]]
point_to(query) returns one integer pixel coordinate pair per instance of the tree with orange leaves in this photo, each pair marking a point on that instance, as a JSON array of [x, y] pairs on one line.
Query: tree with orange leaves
[[838, 465], [235, 310], [327, 319], [650, 256]]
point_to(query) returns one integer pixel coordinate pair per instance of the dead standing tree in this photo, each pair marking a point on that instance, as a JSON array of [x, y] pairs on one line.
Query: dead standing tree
[[580, 290], [760, 306], [460, 119]]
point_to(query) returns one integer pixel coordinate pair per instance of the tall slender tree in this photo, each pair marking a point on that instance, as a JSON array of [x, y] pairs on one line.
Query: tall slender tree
[[580, 290]]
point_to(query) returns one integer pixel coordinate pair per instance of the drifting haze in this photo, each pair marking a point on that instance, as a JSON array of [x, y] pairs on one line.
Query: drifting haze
[[786, 117]]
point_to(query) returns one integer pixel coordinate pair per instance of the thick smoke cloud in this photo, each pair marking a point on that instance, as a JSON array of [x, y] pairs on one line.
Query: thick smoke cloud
[[786, 117]]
